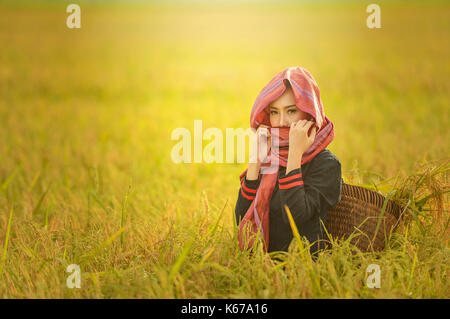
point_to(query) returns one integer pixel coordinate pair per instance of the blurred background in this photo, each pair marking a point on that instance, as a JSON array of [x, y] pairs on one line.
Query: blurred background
[[87, 114]]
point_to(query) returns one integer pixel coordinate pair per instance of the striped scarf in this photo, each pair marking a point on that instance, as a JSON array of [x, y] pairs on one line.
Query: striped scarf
[[307, 99]]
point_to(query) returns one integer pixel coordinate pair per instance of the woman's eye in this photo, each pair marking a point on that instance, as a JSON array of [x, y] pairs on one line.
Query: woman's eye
[[273, 112], [292, 111]]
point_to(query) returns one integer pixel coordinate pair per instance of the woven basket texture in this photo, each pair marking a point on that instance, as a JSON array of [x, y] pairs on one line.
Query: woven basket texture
[[359, 213]]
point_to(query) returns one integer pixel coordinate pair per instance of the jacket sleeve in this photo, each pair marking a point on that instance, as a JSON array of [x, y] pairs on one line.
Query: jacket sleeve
[[307, 196], [247, 194]]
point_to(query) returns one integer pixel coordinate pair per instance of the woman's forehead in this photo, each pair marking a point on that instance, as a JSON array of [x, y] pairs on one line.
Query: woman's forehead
[[285, 100]]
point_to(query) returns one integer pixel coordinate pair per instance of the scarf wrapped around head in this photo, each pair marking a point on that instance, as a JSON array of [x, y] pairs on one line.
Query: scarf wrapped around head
[[307, 99]]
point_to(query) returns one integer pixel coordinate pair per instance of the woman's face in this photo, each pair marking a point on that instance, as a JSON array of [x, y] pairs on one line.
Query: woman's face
[[283, 110]]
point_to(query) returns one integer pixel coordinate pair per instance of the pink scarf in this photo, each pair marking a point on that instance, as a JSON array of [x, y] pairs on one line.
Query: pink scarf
[[307, 99]]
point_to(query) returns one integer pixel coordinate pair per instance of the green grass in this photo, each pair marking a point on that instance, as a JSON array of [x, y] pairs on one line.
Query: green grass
[[85, 121]]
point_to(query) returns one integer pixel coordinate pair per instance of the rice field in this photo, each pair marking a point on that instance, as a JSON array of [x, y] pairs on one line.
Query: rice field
[[86, 117]]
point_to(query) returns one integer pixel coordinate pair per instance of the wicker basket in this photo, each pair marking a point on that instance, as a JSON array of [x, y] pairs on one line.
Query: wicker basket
[[358, 212]]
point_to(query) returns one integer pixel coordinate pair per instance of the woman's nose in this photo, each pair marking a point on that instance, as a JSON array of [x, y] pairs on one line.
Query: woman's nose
[[284, 121]]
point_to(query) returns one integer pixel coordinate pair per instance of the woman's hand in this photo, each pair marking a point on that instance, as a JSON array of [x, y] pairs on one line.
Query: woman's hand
[[299, 142], [262, 136]]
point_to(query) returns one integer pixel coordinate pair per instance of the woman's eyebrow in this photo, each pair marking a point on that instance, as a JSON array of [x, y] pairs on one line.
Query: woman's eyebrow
[[274, 107]]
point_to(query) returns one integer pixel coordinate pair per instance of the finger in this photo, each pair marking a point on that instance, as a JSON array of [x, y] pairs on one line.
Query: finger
[[305, 123], [262, 132], [309, 123], [313, 133], [292, 126], [300, 124], [261, 127], [264, 135]]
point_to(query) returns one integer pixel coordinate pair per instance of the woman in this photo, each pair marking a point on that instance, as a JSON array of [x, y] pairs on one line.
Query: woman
[[307, 176]]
